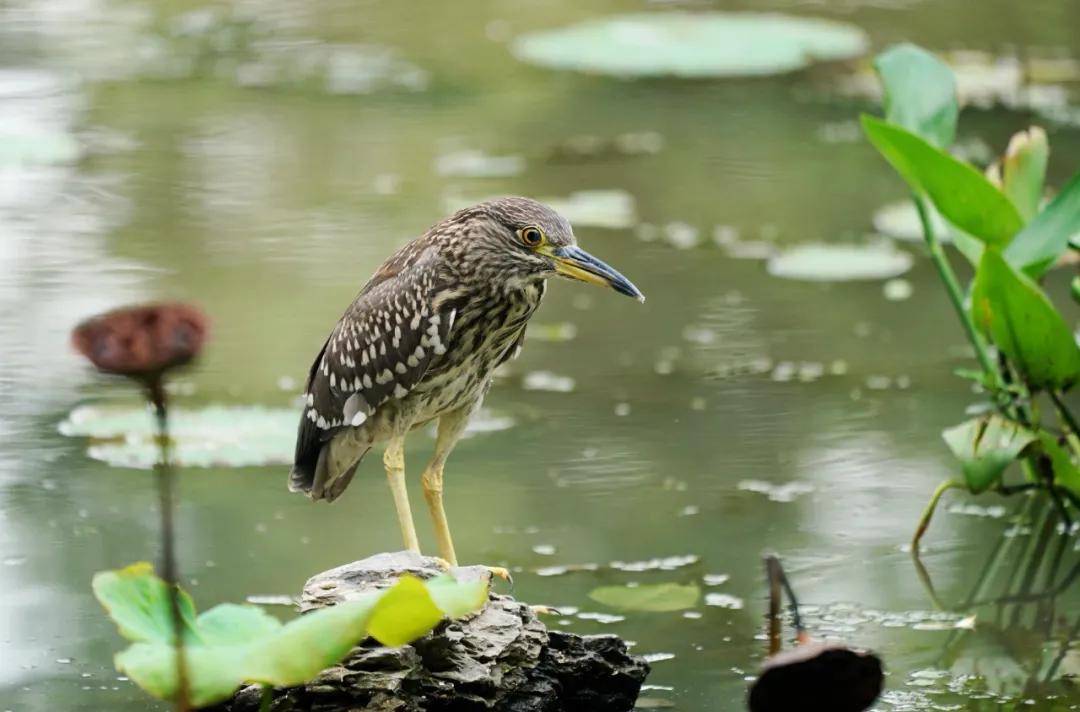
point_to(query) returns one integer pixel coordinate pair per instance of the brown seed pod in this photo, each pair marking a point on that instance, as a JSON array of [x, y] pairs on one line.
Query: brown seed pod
[[817, 677], [142, 342]]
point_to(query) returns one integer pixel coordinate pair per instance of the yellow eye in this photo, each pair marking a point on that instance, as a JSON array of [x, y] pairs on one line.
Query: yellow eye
[[531, 236]]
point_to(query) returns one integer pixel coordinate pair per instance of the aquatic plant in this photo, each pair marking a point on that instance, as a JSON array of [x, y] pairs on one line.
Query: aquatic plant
[[231, 644], [1027, 353], [143, 343]]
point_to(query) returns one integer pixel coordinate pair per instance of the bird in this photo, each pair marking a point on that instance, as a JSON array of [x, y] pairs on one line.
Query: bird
[[421, 342]]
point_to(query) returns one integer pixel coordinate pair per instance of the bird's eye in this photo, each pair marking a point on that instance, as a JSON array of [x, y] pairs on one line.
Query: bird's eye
[[531, 236]]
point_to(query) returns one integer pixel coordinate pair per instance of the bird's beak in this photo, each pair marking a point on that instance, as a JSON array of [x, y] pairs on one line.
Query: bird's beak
[[573, 262]]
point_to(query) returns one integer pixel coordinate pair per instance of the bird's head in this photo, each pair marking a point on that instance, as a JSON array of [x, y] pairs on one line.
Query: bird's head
[[518, 240]]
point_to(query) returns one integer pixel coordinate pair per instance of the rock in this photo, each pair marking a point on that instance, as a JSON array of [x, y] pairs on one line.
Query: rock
[[503, 658]]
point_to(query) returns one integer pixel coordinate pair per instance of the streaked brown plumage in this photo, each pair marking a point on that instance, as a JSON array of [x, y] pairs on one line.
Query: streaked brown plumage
[[422, 339]]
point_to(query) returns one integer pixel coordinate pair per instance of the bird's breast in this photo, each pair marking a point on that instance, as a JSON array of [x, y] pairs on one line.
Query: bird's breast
[[485, 329]]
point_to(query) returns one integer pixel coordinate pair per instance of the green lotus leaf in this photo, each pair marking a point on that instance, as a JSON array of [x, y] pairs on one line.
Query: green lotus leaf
[[651, 597], [840, 262], [692, 45], [231, 645]]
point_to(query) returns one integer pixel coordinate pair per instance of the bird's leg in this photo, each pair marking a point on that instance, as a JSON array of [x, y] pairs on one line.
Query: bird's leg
[[394, 460], [451, 426]]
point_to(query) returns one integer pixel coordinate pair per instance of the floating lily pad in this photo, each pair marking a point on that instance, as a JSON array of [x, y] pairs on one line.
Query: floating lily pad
[[215, 436], [652, 597], [840, 263], [692, 45]]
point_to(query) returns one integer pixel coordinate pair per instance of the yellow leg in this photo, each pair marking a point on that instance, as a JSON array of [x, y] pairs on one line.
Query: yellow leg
[[451, 426], [394, 460], [433, 489]]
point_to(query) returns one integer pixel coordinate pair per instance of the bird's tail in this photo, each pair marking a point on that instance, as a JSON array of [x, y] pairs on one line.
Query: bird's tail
[[332, 470]]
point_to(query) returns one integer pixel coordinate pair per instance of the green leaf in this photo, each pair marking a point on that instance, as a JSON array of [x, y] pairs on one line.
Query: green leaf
[[985, 447], [138, 602], [1074, 289], [968, 246], [457, 598], [1015, 314], [654, 597], [961, 194], [919, 93], [230, 645], [233, 623], [1066, 473], [1023, 170], [1046, 237], [404, 613]]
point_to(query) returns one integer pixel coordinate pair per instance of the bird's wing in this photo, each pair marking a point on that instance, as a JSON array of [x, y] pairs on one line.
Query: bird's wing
[[379, 350]]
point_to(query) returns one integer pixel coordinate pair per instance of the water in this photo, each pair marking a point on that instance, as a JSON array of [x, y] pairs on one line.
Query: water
[[270, 206]]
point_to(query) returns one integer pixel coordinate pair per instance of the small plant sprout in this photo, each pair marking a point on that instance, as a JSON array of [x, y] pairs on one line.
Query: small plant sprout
[[1001, 222], [143, 343]]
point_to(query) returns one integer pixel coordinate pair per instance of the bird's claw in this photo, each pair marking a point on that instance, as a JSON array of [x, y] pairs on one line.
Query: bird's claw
[[542, 610], [502, 573]]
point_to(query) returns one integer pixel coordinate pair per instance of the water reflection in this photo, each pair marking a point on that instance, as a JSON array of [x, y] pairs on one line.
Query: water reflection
[[1017, 634]]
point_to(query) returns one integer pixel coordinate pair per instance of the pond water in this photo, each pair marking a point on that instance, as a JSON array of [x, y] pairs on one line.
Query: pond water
[[263, 163]]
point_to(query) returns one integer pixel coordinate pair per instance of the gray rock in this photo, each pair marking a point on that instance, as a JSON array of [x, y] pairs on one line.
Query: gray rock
[[502, 658]]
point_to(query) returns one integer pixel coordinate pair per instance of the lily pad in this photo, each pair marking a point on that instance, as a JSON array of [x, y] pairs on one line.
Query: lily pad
[[692, 45], [840, 262], [214, 436], [653, 597]]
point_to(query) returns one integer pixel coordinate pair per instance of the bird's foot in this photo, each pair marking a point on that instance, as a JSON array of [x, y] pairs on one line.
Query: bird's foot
[[500, 571], [542, 610]]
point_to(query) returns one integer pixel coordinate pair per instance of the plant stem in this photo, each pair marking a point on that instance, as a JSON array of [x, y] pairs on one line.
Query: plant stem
[[772, 574], [956, 295], [1065, 414], [164, 475], [267, 698], [928, 513]]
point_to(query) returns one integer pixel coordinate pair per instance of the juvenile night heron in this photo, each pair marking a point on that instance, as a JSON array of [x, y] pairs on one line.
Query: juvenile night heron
[[421, 341]]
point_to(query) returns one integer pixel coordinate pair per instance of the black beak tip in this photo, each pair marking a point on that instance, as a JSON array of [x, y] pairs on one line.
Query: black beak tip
[[629, 290]]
